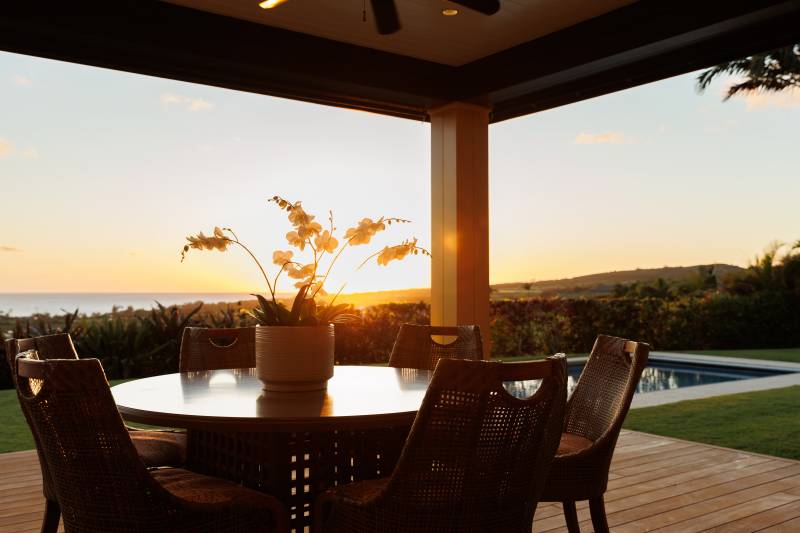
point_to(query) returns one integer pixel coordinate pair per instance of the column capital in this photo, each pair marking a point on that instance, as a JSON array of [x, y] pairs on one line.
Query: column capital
[[459, 106]]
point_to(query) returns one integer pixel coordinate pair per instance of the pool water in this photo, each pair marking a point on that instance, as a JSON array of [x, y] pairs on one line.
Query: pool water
[[666, 376], [658, 376]]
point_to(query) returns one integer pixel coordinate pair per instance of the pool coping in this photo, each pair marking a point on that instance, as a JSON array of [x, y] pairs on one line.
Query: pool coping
[[789, 378], [730, 362]]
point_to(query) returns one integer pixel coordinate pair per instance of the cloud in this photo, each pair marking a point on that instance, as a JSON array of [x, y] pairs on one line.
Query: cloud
[[169, 98], [9, 249], [198, 104], [29, 153], [785, 99], [6, 148], [19, 79], [190, 104], [610, 137]]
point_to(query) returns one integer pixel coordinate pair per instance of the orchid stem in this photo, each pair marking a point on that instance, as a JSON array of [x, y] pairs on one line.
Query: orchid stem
[[333, 262], [246, 249]]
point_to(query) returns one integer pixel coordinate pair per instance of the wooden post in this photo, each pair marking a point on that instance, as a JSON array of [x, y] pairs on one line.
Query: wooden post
[[460, 217]]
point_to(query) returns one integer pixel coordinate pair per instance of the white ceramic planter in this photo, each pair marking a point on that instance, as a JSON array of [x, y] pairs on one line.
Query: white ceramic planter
[[294, 358]]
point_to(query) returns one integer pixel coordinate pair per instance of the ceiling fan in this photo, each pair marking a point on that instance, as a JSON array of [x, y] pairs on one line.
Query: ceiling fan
[[388, 22], [387, 19]]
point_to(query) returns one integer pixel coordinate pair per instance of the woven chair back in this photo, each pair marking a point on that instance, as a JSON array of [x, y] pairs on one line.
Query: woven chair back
[[415, 347], [603, 394], [99, 480], [217, 348], [57, 346], [477, 458]]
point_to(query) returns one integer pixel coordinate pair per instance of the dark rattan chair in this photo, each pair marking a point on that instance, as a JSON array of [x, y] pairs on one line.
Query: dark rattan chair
[[415, 348], [156, 448], [217, 348], [101, 483], [594, 416], [476, 458]]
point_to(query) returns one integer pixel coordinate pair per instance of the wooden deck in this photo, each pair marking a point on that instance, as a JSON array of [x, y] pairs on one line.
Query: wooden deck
[[656, 484]]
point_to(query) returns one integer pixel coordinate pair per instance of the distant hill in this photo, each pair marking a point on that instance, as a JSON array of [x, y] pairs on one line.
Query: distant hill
[[603, 283], [590, 285]]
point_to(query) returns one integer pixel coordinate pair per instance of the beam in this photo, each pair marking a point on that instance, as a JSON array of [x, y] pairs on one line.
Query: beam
[[165, 40], [641, 43], [460, 217]]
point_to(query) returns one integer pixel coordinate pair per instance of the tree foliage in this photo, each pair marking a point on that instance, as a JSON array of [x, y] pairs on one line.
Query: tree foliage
[[775, 70]]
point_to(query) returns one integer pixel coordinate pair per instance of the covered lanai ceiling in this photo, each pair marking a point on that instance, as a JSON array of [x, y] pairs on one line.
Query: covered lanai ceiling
[[532, 55], [426, 33]]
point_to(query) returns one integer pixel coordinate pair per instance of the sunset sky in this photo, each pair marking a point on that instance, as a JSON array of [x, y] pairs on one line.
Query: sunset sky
[[104, 173]]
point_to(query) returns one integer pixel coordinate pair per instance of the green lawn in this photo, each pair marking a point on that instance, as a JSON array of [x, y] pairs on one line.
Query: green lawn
[[791, 355], [14, 432], [765, 422]]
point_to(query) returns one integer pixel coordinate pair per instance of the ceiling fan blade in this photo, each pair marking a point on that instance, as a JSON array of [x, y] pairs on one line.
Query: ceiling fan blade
[[487, 7], [386, 18]]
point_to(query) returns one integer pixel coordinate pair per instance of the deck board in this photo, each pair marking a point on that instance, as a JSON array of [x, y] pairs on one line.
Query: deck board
[[657, 483]]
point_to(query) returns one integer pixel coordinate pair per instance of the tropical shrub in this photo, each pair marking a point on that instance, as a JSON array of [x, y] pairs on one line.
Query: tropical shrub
[[135, 344]]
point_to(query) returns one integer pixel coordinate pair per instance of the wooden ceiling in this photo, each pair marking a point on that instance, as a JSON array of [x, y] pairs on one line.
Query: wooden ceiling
[[426, 34], [638, 43]]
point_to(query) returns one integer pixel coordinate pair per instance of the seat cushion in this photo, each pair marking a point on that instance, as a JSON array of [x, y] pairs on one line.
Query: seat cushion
[[160, 448], [206, 490], [215, 505], [358, 492], [571, 443]]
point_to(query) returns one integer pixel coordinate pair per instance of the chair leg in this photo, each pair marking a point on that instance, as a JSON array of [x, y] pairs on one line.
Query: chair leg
[[52, 514], [571, 516], [597, 508]]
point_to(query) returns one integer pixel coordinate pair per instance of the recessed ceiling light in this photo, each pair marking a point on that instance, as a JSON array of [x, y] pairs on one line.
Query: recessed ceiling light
[[449, 12], [269, 4]]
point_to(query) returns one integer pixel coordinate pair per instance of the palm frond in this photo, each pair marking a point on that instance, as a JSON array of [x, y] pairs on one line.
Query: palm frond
[[774, 70]]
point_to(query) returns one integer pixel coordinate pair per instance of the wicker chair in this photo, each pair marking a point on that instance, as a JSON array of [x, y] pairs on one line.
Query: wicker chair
[[217, 348], [101, 483], [594, 416], [476, 458], [414, 347], [155, 448]]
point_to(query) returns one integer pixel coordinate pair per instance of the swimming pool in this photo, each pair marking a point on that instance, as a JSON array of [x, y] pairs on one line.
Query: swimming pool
[[661, 375]]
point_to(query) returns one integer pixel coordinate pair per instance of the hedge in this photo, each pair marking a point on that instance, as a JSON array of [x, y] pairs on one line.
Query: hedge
[[147, 343]]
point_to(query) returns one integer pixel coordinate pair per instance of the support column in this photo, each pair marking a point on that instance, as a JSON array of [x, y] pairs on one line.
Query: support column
[[460, 217]]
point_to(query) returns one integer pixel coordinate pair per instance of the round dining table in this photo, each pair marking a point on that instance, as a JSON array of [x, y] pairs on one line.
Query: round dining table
[[292, 445]]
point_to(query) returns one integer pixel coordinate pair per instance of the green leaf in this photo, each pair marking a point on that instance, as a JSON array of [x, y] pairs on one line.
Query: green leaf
[[297, 305], [332, 313], [309, 309], [283, 315], [267, 311], [189, 316], [309, 321]]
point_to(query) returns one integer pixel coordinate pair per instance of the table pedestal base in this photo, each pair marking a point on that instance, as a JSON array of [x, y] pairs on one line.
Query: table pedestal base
[[295, 467]]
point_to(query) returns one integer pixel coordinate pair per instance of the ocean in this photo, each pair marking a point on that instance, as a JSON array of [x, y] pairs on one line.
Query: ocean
[[26, 304]]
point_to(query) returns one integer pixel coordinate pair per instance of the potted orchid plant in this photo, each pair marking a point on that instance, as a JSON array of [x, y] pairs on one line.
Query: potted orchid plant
[[294, 344]]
